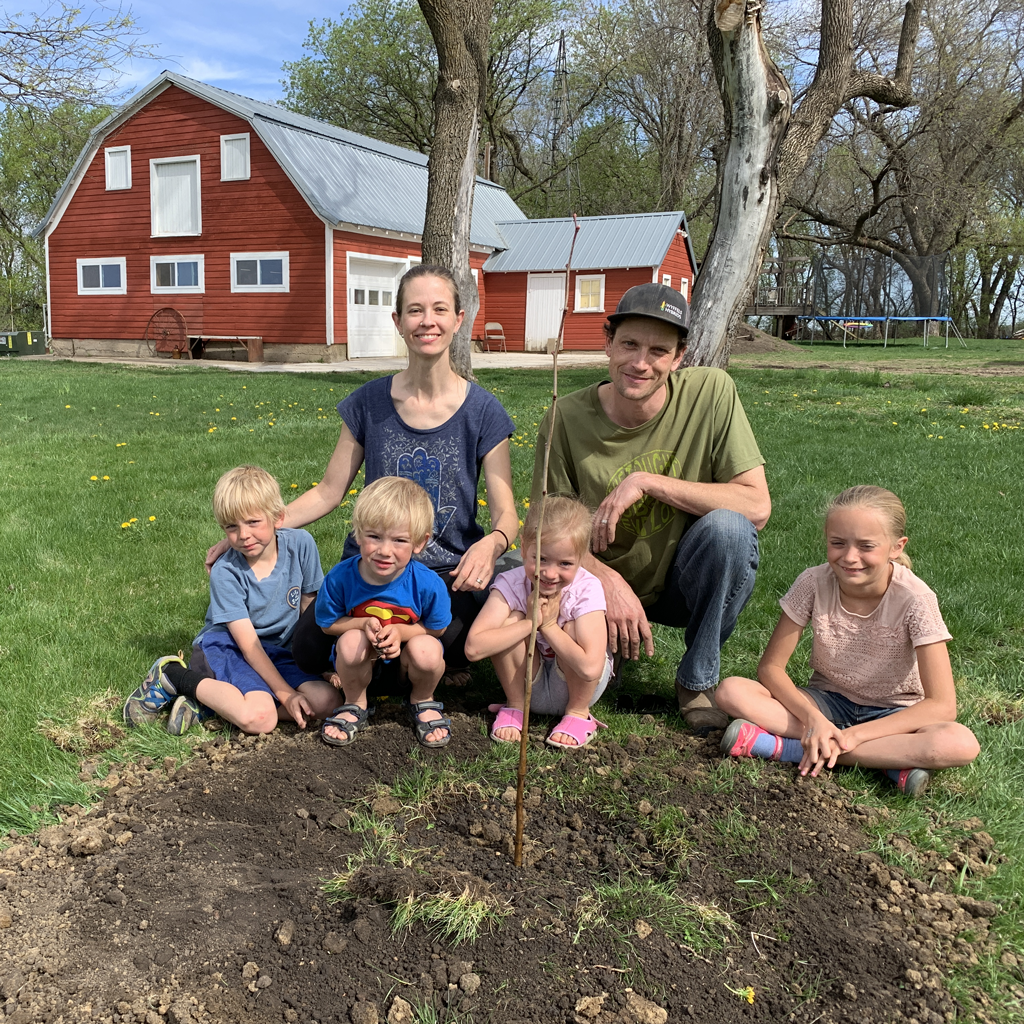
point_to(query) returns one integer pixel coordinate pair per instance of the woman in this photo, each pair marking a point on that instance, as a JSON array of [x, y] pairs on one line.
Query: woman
[[431, 425]]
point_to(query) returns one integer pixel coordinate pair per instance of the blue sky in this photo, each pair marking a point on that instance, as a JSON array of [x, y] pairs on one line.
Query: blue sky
[[234, 45]]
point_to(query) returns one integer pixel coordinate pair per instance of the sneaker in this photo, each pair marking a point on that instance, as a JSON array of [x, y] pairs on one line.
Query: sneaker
[[154, 696], [913, 781], [739, 738], [699, 710], [185, 713]]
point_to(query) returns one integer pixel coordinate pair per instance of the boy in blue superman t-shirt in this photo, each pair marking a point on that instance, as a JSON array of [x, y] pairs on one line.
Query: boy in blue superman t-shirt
[[382, 604]]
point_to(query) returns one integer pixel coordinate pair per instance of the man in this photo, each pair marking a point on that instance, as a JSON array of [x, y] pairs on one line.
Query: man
[[670, 463]]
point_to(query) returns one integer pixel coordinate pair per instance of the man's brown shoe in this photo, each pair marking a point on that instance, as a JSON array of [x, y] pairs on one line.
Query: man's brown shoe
[[699, 710]]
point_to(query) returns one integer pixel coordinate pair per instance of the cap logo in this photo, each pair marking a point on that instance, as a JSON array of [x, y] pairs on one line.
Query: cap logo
[[672, 310]]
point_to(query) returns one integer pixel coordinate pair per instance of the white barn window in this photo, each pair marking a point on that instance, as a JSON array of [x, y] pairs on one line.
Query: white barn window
[[175, 200], [589, 293], [260, 272], [118, 164], [177, 274], [103, 275], [234, 157]]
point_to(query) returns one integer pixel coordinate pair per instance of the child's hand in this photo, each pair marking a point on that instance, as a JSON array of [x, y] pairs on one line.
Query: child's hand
[[298, 707], [547, 615], [388, 643], [823, 742]]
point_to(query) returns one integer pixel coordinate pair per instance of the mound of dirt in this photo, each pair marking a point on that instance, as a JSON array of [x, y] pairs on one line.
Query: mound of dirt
[[660, 886], [750, 341]]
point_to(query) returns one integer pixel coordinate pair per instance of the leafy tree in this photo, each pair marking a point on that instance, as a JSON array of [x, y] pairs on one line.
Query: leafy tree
[[59, 56], [38, 147]]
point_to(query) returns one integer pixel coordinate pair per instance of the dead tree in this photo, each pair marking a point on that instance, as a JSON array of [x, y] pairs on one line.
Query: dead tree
[[768, 144], [461, 30]]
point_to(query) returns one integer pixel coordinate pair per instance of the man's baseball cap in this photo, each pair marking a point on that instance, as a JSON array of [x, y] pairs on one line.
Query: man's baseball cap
[[657, 301]]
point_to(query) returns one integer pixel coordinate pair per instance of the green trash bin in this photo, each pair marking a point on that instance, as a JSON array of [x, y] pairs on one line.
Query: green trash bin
[[23, 343]]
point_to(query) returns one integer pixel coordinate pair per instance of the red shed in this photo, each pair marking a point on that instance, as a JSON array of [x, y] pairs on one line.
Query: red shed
[[246, 220], [526, 281]]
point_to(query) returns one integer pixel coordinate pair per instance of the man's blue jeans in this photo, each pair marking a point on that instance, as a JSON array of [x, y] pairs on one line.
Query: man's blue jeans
[[707, 587]]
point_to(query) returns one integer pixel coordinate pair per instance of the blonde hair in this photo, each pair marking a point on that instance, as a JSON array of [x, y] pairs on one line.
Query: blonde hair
[[879, 500], [563, 517], [394, 503], [244, 490]]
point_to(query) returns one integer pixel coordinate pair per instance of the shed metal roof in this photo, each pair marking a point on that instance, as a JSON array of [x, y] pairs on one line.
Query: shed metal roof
[[346, 178], [627, 240]]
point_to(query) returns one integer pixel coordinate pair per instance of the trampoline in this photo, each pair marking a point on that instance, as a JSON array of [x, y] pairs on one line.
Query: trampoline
[[849, 321]]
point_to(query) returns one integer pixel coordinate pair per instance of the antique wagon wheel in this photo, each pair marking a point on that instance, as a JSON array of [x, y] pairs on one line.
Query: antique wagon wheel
[[167, 332]]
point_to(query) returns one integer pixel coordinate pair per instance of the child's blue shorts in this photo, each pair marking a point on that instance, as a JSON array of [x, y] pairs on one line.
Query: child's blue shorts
[[842, 711], [217, 656]]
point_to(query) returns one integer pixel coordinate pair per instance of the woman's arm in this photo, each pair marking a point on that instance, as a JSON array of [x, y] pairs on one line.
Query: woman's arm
[[938, 705], [331, 491], [586, 654], [477, 564]]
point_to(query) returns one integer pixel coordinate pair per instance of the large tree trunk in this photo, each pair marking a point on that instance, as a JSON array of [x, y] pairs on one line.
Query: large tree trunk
[[461, 30], [758, 102], [768, 145]]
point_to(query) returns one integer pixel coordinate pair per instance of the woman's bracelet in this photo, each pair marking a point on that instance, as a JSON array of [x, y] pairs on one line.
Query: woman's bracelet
[[504, 537]]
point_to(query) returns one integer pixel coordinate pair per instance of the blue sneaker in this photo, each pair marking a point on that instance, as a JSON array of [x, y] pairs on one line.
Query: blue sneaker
[[185, 713], [155, 694]]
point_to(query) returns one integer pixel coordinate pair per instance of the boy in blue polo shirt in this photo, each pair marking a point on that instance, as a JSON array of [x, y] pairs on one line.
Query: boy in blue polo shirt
[[241, 666], [381, 604]]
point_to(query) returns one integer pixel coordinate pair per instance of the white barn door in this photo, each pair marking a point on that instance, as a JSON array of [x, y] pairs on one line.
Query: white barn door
[[371, 300], [545, 297]]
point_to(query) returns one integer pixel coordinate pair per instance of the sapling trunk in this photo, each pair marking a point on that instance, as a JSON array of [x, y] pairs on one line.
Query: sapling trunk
[[532, 645]]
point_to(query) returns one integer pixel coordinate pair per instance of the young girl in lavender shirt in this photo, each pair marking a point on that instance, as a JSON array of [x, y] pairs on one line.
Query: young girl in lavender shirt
[[882, 693], [574, 665]]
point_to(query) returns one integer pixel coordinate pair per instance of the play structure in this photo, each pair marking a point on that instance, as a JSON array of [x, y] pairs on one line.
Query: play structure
[[847, 294]]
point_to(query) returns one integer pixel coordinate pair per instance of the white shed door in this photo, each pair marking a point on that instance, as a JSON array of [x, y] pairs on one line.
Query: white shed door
[[545, 298], [371, 300]]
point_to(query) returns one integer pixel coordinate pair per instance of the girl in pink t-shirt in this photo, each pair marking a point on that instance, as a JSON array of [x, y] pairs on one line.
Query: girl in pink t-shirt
[[882, 692], [572, 635]]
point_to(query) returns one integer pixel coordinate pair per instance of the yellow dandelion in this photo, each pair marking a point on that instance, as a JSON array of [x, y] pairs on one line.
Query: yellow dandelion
[[94, 478], [839, 403], [211, 430], [894, 423], [106, 478], [294, 486], [315, 482], [353, 491], [133, 520], [234, 417], [67, 406], [152, 519], [124, 526], [481, 502]]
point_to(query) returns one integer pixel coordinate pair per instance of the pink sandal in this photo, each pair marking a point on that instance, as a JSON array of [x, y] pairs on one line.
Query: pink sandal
[[508, 718], [582, 730]]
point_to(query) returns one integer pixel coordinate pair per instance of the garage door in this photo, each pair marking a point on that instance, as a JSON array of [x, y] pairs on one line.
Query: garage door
[[371, 300]]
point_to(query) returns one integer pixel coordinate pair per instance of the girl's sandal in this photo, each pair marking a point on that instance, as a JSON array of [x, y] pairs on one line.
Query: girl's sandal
[[424, 729], [508, 718], [582, 730], [348, 728]]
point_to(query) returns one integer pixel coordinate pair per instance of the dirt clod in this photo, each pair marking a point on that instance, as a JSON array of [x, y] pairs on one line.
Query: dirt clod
[[364, 1013], [643, 1011], [400, 1012], [286, 933]]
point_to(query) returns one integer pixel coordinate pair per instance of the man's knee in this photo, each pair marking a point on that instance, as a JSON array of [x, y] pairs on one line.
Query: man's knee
[[724, 532]]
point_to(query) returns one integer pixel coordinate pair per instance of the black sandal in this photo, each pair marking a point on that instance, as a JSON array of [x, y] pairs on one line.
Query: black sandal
[[423, 729], [348, 728]]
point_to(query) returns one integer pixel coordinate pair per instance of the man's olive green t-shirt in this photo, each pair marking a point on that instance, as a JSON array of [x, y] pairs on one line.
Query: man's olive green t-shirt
[[701, 434]]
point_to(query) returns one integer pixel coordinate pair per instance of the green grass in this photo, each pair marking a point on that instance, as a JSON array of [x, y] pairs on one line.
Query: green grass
[[88, 603]]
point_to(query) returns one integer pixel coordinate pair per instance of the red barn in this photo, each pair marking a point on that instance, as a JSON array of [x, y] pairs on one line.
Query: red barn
[[246, 219], [226, 218], [526, 279]]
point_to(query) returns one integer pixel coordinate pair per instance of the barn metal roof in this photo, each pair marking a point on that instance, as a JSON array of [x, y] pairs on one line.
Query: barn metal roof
[[346, 178], [628, 240]]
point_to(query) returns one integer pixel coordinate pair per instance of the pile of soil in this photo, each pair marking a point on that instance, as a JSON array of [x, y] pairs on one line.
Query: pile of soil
[[748, 340], [195, 894]]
